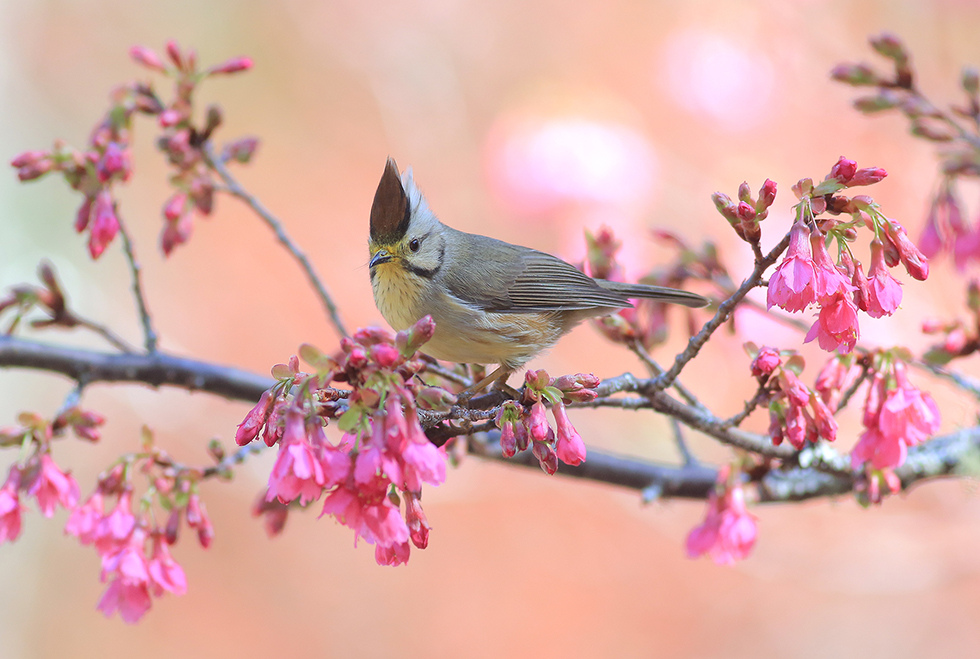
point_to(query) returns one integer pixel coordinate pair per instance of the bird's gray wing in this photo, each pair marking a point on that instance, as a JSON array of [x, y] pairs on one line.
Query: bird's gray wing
[[504, 278]]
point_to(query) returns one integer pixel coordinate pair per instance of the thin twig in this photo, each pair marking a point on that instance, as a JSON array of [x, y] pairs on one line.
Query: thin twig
[[656, 369], [149, 334], [234, 188], [686, 456], [724, 311], [761, 394], [111, 337]]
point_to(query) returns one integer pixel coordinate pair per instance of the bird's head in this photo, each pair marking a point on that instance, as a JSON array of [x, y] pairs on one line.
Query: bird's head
[[405, 234]]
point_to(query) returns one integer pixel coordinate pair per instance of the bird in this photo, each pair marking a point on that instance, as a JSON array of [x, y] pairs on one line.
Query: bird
[[492, 302]]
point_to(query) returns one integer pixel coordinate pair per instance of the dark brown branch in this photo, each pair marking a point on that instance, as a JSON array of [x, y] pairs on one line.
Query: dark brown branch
[[157, 369], [935, 458]]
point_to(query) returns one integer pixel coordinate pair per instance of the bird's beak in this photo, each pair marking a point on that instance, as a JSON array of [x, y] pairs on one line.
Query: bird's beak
[[381, 256]]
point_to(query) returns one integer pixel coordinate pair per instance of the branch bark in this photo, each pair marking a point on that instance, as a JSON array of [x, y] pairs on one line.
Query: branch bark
[[941, 456]]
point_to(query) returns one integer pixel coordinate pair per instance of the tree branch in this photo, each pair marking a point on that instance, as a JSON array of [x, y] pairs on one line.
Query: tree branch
[[938, 457]]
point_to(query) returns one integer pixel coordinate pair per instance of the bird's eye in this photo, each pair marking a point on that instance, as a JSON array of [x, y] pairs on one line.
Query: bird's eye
[[414, 244]]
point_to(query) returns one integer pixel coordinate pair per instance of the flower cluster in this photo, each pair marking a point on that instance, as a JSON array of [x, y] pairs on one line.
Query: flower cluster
[[896, 415], [729, 530], [38, 475], [106, 161], [524, 423], [135, 552], [383, 457], [808, 275], [796, 413], [745, 216]]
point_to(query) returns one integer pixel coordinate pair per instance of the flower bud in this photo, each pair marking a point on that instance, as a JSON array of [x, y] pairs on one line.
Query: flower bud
[[890, 46], [867, 176], [240, 150], [766, 361], [546, 456], [859, 75], [914, 261], [233, 65], [148, 58], [410, 340]]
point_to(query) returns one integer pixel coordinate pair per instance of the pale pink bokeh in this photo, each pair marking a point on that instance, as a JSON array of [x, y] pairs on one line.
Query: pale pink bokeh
[[718, 78]]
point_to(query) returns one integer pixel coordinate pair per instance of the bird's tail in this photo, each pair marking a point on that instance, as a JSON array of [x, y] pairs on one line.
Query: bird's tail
[[661, 293]]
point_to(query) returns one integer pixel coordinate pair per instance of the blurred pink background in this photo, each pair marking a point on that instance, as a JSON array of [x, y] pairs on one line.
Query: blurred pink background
[[529, 121]]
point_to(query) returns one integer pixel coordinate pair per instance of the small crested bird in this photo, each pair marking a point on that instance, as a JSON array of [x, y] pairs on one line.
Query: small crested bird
[[492, 302]]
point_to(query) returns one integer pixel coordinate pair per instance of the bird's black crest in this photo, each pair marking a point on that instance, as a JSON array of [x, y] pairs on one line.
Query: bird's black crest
[[391, 209]]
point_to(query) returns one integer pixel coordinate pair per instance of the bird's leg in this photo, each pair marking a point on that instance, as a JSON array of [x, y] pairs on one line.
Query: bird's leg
[[495, 379]]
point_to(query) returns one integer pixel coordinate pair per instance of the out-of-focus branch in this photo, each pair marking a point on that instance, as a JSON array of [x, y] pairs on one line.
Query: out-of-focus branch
[[157, 369], [234, 188], [149, 334]]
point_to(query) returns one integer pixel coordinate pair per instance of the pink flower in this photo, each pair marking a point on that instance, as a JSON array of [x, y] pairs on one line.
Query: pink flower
[[130, 598], [570, 448], [885, 293], [10, 507], [84, 522], [394, 555], [894, 420], [830, 282], [297, 472], [52, 486], [165, 573], [371, 516], [836, 326], [729, 530], [115, 529], [791, 285], [104, 226]]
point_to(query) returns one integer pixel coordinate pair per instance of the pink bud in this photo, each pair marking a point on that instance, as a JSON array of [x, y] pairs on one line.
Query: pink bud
[[914, 260], [173, 52], [867, 176], [249, 428], [537, 423], [508, 441], [843, 170], [148, 58], [569, 446], [766, 361], [175, 206], [83, 215], [767, 194], [234, 65], [104, 226], [385, 355], [546, 456]]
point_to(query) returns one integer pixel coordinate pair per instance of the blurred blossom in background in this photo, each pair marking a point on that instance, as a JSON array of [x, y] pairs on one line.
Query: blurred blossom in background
[[718, 78], [528, 121]]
